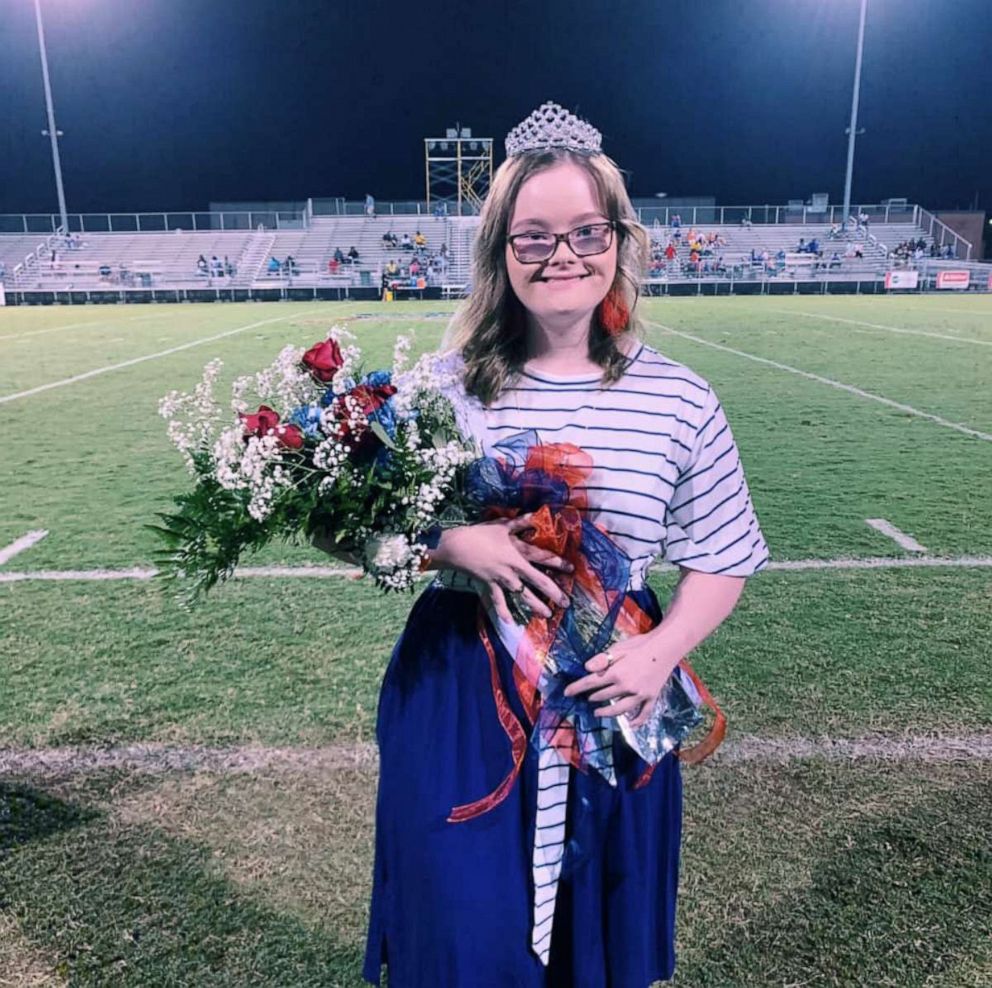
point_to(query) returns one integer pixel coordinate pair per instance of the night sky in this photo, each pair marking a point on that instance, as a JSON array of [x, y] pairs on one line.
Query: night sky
[[171, 104]]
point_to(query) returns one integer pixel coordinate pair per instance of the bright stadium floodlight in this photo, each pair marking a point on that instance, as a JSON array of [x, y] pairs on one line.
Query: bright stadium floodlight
[[52, 133], [852, 131]]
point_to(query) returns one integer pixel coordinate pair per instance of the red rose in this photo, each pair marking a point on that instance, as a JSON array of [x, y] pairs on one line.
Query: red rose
[[370, 399], [291, 436], [324, 359], [266, 419], [259, 424]]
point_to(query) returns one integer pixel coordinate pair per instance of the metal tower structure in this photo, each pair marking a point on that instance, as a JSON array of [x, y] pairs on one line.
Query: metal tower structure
[[458, 170]]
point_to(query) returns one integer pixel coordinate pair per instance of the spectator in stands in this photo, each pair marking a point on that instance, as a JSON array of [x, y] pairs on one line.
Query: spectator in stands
[[273, 267], [414, 268], [443, 252], [392, 269], [419, 240], [780, 259], [405, 242], [332, 265], [229, 269], [670, 252], [369, 205], [813, 247], [863, 220], [201, 267], [353, 255], [339, 255], [216, 268], [676, 221], [104, 271], [835, 261], [801, 246], [834, 231], [746, 222], [389, 239], [289, 265]]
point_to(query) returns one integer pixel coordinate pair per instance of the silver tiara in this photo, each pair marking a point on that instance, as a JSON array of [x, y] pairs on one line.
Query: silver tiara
[[552, 126]]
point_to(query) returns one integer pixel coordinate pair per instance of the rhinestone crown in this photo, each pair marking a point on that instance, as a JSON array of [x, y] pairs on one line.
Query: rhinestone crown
[[552, 126]]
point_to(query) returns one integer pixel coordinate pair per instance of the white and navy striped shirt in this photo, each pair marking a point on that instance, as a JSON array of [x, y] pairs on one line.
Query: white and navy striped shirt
[[667, 479]]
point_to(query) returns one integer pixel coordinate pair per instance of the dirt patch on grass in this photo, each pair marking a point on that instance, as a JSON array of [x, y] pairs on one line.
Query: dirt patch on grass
[[302, 842], [21, 964]]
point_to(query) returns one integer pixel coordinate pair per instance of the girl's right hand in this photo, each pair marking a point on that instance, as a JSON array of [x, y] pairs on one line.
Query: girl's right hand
[[494, 555]]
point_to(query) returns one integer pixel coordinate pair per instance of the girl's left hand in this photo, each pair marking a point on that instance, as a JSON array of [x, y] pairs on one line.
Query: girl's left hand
[[629, 675]]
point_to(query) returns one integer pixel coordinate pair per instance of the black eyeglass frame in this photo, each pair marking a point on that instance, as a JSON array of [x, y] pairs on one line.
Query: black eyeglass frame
[[559, 237]]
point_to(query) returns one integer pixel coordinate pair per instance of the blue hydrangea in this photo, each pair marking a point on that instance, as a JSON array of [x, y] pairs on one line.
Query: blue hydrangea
[[376, 379], [386, 417], [307, 417]]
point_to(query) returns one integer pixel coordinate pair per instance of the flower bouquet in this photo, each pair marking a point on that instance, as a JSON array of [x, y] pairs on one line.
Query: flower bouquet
[[368, 460], [375, 463]]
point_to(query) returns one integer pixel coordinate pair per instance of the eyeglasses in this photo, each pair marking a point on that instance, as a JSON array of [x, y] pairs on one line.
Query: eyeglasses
[[534, 246]]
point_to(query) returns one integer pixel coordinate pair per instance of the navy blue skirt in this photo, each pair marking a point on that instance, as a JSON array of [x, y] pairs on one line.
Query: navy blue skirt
[[452, 902]]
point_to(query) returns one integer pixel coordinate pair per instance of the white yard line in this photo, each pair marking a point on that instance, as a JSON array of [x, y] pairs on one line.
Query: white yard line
[[957, 427], [19, 545], [153, 758], [77, 325], [327, 572], [901, 538], [150, 356], [881, 562], [889, 329]]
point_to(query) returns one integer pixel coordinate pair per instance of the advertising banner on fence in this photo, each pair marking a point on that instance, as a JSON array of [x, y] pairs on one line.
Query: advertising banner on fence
[[902, 279], [953, 279]]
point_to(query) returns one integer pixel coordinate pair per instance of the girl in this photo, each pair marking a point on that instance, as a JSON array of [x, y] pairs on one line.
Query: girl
[[496, 865]]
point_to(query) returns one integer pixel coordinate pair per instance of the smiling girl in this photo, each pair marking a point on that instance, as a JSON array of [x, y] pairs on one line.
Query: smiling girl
[[554, 877]]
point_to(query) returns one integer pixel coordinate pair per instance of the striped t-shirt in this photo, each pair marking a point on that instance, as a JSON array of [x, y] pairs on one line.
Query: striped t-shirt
[[667, 479]]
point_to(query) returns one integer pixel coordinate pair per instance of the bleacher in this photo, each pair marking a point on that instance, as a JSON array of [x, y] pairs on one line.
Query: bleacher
[[168, 260], [741, 241], [134, 260]]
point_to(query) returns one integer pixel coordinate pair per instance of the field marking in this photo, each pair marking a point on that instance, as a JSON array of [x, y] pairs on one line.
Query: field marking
[[887, 528], [149, 356], [329, 572], [832, 383], [153, 758], [76, 325], [890, 329], [19, 545]]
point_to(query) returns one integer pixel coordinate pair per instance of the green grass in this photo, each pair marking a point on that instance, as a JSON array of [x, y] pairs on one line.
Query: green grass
[[299, 662], [815, 873]]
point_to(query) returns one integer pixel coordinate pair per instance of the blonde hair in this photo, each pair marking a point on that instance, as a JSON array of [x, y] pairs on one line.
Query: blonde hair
[[489, 328]]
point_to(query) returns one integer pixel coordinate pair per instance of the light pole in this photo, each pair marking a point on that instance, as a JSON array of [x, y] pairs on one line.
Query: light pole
[[852, 131], [52, 132]]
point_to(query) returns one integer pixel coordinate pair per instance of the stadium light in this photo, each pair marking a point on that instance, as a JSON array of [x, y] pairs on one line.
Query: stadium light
[[852, 131], [53, 132]]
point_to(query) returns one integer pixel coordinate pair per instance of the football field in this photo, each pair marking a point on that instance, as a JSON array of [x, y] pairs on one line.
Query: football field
[[187, 799]]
